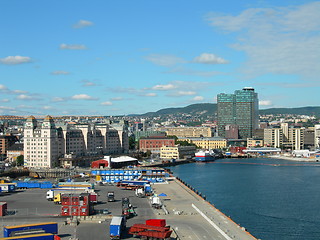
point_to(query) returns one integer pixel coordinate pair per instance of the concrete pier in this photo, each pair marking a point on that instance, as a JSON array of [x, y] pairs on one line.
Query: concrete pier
[[192, 217]]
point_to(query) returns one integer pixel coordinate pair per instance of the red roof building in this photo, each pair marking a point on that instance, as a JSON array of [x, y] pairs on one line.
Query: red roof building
[[100, 163]]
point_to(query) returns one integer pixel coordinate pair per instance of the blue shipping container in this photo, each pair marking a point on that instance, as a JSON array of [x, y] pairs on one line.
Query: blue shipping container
[[48, 227], [116, 226], [43, 236]]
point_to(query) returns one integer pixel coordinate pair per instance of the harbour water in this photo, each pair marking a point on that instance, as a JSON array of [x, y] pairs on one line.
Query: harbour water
[[273, 199]]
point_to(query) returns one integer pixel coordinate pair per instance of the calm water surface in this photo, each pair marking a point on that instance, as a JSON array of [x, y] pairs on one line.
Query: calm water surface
[[273, 199]]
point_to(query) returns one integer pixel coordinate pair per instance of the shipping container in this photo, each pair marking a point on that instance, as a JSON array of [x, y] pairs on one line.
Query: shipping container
[[3, 208], [84, 211], [93, 198], [8, 187], [43, 236], [47, 227], [65, 211], [143, 230], [117, 226], [156, 222], [75, 211]]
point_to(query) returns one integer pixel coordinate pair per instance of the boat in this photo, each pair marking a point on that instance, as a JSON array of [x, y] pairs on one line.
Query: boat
[[205, 156]]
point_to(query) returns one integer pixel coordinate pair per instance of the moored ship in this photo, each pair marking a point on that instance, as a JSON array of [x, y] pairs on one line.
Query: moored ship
[[205, 156]]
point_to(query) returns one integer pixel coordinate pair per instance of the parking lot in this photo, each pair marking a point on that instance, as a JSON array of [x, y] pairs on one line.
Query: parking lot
[[30, 206]]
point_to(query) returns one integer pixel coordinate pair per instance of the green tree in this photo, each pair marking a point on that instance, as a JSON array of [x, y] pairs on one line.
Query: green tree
[[20, 160]]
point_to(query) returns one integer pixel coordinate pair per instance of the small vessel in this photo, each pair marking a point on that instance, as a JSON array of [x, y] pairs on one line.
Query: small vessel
[[205, 156]]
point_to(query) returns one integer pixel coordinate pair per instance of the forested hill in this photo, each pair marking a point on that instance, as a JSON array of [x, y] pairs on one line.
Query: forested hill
[[204, 109]]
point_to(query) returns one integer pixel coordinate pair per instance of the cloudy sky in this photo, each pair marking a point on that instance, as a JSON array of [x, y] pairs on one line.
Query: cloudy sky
[[133, 56]]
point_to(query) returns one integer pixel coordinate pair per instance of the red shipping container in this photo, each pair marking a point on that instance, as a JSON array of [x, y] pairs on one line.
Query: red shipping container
[[3, 208], [84, 211], [93, 197], [75, 200], [75, 210], [156, 222], [66, 199], [65, 211]]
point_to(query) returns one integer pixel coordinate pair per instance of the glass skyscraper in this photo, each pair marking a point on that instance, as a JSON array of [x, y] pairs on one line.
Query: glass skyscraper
[[240, 109]]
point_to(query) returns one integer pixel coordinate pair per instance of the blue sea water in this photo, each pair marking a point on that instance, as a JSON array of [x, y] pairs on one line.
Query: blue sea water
[[273, 199]]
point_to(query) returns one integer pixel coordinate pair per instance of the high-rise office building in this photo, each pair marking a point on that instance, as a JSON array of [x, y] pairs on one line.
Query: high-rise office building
[[241, 109]]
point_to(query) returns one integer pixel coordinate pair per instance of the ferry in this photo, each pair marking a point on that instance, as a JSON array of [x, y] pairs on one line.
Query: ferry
[[205, 156]]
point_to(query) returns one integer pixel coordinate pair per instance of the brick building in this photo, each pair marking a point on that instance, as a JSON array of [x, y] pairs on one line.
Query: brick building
[[5, 142], [154, 144]]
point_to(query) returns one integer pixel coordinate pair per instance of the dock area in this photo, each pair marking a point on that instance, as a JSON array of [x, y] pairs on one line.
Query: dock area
[[185, 210], [192, 217]]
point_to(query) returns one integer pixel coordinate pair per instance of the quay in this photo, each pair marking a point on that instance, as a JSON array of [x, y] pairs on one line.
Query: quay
[[192, 217], [185, 210]]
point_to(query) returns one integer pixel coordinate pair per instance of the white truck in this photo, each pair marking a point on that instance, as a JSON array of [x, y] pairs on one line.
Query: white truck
[[156, 202], [140, 192]]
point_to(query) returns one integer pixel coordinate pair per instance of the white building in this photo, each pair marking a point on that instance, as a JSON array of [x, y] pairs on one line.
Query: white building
[[273, 137], [317, 136], [42, 144], [45, 143]]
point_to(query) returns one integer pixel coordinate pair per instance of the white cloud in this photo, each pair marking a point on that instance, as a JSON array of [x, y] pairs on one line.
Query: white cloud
[[208, 58], [108, 103], [83, 97], [59, 72], [73, 46], [58, 99], [3, 87], [117, 99], [5, 100], [185, 93], [25, 97], [19, 92], [82, 24], [279, 40], [87, 83], [6, 108], [198, 98], [265, 103], [47, 107], [150, 94], [165, 87], [164, 60], [12, 60]]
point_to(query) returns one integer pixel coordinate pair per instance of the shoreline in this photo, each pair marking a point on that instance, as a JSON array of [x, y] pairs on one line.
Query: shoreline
[[294, 159]]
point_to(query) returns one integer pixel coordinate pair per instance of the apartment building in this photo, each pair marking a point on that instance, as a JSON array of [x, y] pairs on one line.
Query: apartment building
[[45, 143], [273, 137], [296, 138]]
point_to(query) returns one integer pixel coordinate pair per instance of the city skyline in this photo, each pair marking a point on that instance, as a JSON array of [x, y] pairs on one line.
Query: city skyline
[[111, 58]]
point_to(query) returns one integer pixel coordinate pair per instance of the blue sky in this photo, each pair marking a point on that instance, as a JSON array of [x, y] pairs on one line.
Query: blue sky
[[108, 57]]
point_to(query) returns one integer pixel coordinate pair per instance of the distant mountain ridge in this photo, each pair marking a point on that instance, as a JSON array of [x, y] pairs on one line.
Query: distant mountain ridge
[[204, 109]]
